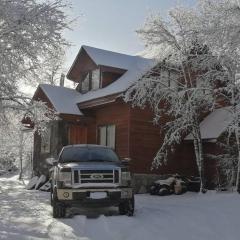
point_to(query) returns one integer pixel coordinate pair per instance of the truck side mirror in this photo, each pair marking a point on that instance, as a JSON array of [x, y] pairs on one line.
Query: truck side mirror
[[51, 161], [126, 161]]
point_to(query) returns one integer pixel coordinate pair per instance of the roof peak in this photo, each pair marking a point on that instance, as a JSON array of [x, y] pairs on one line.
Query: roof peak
[[86, 47]]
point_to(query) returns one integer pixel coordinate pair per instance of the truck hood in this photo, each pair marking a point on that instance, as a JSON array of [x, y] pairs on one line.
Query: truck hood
[[91, 165]]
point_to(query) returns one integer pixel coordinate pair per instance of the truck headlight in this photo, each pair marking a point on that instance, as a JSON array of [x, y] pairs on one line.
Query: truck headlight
[[65, 176], [126, 178]]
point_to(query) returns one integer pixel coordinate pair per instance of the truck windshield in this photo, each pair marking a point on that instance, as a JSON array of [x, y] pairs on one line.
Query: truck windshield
[[85, 154]]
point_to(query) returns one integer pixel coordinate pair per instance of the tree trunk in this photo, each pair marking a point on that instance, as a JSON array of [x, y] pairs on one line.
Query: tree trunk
[[199, 158], [237, 185], [20, 154]]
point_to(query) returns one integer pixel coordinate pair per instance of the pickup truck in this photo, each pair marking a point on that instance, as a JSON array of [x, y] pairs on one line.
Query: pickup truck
[[90, 175]]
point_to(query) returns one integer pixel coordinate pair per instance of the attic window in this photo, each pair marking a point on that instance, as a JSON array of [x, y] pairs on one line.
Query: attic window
[[91, 81], [95, 79], [86, 83]]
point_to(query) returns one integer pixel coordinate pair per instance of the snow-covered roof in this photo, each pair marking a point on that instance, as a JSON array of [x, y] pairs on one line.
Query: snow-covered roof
[[136, 66], [214, 124], [108, 58], [63, 99]]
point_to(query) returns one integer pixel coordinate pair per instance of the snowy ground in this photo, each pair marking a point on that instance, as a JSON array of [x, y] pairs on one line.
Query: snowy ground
[[27, 215]]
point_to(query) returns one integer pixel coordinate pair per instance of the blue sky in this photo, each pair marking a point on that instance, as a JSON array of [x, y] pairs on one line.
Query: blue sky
[[111, 24]]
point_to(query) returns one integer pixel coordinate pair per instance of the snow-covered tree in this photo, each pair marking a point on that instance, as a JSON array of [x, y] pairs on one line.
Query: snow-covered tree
[[226, 161], [218, 26], [51, 69], [31, 33], [17, 139], [180, 86]]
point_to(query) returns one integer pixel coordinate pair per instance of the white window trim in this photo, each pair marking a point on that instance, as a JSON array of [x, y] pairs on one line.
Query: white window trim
[[106, 142]]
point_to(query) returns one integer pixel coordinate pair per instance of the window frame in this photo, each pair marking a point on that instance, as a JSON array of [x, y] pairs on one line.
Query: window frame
[[106, 126], [89, 77]]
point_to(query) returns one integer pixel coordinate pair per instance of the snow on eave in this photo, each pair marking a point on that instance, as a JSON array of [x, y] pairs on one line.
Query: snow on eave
[[214, 124], [63, 99]]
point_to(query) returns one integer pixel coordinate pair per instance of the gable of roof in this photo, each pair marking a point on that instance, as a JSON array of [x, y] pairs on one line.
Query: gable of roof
[[63, 99], [214, 124]]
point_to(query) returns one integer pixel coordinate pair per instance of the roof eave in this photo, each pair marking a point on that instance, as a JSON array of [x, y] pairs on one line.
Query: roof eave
[[99, 101]]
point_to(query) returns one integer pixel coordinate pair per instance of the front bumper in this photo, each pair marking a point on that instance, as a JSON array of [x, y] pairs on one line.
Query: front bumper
[[83, 196]]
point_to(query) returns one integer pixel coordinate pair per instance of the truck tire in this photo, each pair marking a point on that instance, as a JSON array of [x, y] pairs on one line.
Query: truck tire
[[59, 210], [51, 196], [127, 207]]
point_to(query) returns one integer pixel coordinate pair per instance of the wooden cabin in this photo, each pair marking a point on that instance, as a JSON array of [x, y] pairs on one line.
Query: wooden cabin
[[95, 113]]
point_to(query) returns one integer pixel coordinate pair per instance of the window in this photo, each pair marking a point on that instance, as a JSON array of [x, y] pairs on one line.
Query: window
[[91, 81], [169, 79], [107, 135], [85, 83], [95, 79], [46, 141]]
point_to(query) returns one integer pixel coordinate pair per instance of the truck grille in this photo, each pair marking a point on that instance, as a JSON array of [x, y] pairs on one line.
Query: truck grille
[[95, 176]]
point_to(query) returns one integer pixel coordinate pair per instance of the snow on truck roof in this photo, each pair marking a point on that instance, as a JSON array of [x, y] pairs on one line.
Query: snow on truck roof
[[214, 124], [63, 99]]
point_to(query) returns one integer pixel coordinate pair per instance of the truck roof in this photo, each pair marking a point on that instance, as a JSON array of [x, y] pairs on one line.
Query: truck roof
[[86, 146]]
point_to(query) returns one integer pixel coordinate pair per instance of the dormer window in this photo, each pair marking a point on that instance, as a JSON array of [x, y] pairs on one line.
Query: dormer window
[[95, 79], [86, 83], [91, 81]]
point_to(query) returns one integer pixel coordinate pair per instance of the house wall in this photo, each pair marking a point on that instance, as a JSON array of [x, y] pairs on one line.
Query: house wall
[[113, 113], [145, 141]]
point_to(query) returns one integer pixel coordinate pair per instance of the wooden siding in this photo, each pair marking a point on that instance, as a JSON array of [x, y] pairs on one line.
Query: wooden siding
[[145, 140], [109, 77], [77, 134]]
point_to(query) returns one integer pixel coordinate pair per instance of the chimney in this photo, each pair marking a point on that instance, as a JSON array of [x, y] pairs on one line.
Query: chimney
[[62, 78]]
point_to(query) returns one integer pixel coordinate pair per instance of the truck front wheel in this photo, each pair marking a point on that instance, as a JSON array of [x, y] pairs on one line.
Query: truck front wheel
[[59, 210]]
